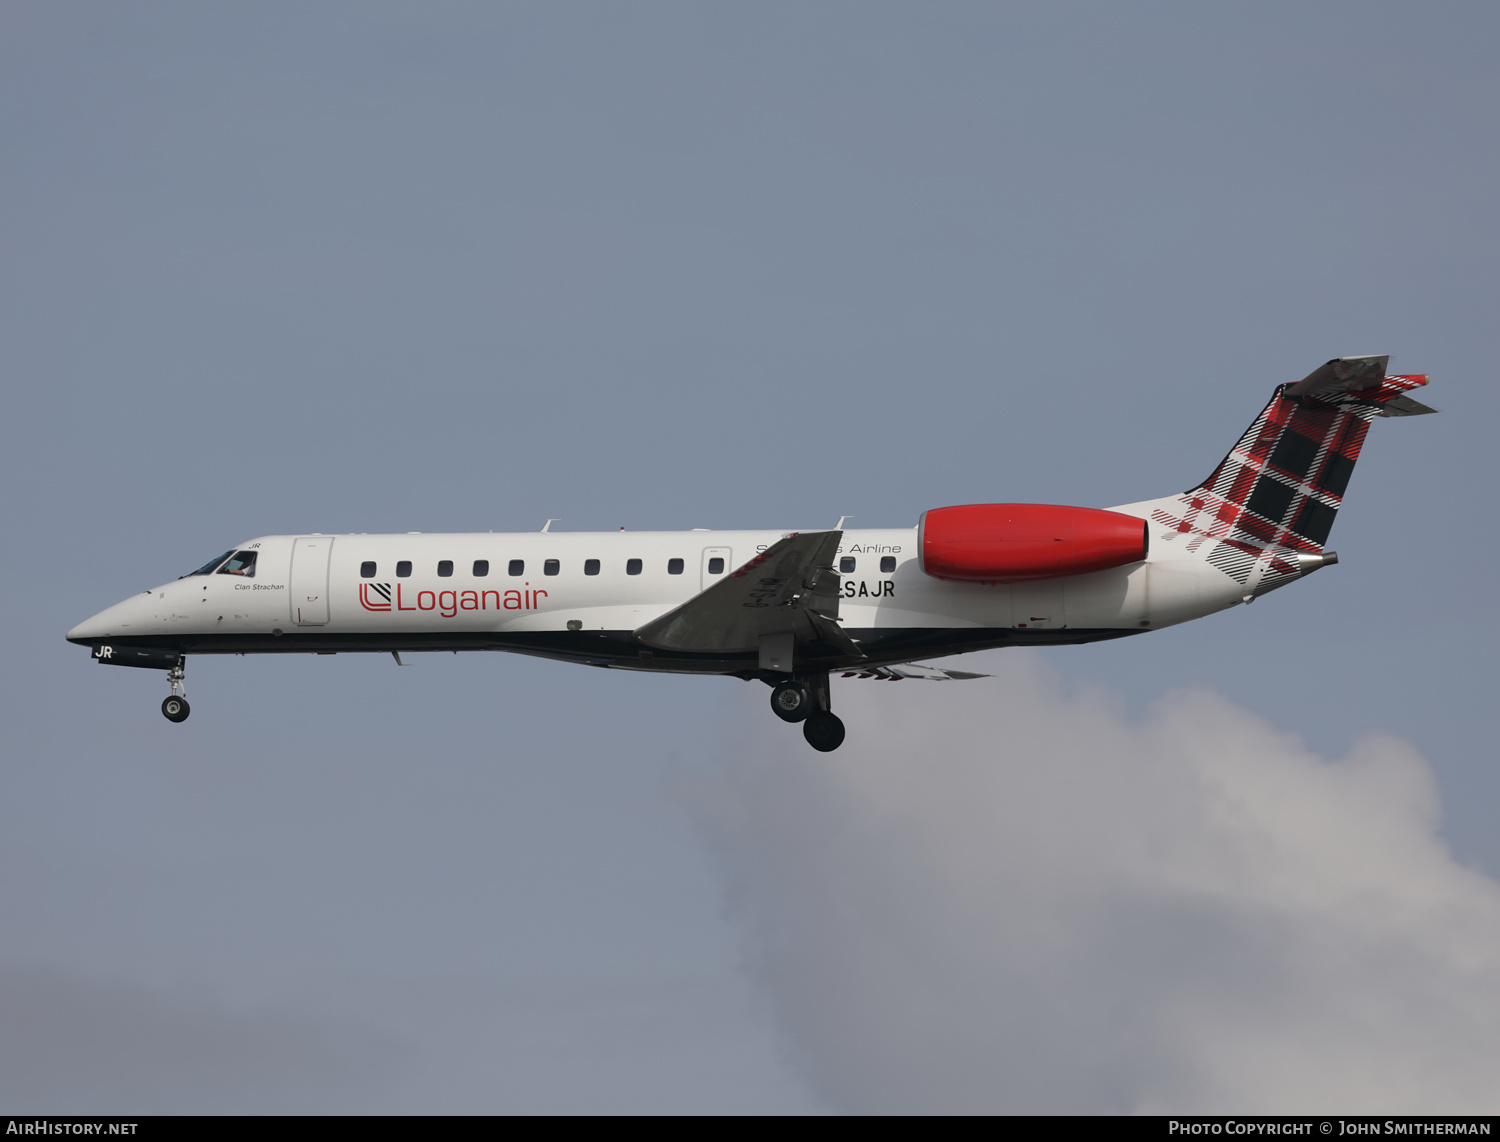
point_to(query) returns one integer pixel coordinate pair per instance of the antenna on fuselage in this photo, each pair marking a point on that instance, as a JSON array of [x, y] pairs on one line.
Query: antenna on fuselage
[[840, 525], [549, 523]]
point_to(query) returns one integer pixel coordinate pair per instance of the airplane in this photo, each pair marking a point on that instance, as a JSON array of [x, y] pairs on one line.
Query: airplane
[[791, 608]]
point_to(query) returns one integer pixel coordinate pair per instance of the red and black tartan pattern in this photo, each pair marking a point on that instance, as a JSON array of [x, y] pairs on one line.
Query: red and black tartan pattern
[[1278, 490]]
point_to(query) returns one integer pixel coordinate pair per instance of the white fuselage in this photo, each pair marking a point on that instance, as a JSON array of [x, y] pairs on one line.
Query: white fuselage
[[580, 595], [790, 609]]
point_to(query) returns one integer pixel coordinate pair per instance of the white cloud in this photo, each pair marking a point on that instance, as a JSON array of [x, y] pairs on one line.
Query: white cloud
[[998, 897]]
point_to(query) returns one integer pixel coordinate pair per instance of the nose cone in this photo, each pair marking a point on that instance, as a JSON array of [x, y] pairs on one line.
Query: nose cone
[[122, 619]]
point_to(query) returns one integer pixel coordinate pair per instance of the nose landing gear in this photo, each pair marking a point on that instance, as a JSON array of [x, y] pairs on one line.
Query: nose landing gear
[[806, 700], [175, 706]]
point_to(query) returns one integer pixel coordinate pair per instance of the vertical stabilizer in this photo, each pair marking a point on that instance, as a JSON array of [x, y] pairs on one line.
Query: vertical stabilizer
[[1264, 514]]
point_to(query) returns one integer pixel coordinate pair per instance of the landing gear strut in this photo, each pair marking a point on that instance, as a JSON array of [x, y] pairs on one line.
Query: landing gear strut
[[175, 706], [806, 700]]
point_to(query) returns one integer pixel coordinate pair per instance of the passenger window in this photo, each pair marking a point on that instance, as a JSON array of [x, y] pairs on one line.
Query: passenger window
[[517, 567], [716, 566], [367, 569], [403, 568], [632, 566], [591, 566], [846, 564], [551, 567], [674, 566], [887, 563], [445, 568], [240, 563], [481, 568]]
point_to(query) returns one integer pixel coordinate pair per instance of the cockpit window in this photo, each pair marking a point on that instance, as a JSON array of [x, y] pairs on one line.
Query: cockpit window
[[208, 568], [240, 563]]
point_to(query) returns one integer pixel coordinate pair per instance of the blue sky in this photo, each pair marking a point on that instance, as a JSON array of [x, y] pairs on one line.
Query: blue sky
[[367, 267]]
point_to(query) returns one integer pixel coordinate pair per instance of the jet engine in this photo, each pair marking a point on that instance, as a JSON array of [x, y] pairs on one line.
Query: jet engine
[[1015, 543]]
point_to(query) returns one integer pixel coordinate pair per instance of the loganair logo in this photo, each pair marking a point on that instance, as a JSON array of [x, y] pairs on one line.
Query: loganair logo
[[380, 597], [375, 596]]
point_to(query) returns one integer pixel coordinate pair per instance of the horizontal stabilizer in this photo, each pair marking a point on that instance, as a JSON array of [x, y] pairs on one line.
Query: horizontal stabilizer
[[1365, 375], [1341, 375], [1403, 405]]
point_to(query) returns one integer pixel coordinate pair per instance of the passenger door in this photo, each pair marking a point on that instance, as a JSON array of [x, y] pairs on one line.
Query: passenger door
[[309, 586]]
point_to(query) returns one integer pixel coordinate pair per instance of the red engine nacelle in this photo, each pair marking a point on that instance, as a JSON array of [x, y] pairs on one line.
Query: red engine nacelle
[[1014, 543]]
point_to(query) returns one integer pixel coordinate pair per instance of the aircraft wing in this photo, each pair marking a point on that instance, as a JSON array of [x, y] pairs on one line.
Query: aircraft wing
[[910, 670], [932, 673], [786, 597]]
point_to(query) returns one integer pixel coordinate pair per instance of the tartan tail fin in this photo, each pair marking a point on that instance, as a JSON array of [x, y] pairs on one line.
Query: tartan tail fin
[[1287, 474], [1271, 502]]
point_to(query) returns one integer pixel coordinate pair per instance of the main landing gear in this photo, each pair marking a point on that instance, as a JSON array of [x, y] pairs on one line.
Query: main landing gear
[[175, 706], [805, 700], [791, 701]]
